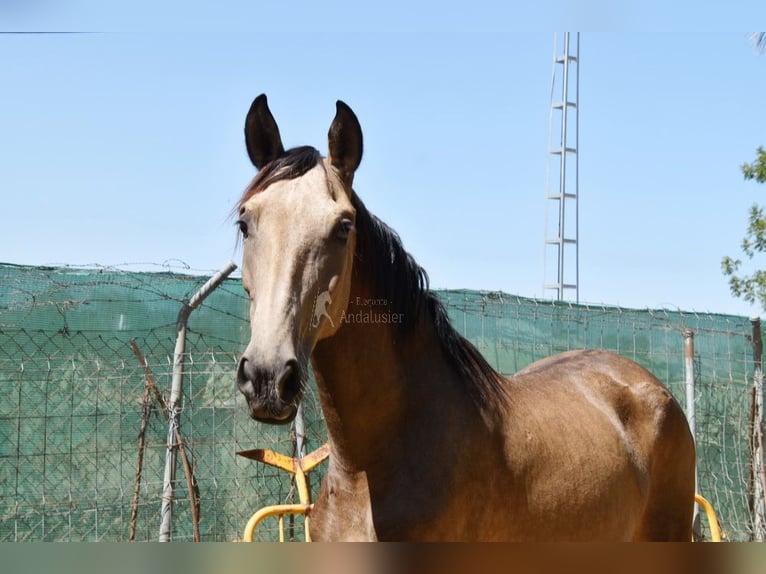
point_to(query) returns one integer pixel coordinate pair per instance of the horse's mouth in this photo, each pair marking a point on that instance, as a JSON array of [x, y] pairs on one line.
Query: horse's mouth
[[273, 416]]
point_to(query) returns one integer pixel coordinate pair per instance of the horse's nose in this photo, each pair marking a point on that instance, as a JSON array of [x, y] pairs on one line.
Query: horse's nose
[[254, 380]]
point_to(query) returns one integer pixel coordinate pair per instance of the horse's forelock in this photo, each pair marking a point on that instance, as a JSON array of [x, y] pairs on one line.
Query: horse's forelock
[[293, 163]]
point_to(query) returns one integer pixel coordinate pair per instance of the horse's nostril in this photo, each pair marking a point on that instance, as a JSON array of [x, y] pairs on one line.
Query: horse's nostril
[[245, 376], [288, 381]]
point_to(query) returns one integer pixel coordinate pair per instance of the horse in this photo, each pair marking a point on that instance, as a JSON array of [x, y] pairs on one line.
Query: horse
[[427, 441]]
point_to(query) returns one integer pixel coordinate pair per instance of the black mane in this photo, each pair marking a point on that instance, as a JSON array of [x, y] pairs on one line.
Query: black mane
[[397, 278]]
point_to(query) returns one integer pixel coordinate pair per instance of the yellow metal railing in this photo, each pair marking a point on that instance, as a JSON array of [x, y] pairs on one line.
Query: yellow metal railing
[[280, 511], [301, 466], [712, 519], [297, 466]]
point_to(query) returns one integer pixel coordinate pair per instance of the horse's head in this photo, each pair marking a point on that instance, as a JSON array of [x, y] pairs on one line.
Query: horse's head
[[297, 223]]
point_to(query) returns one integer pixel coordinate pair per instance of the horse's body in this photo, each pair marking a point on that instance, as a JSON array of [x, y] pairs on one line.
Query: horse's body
[[427, 441]]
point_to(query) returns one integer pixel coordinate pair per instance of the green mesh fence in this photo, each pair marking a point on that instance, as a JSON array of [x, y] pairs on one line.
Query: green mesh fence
[[71, 397]]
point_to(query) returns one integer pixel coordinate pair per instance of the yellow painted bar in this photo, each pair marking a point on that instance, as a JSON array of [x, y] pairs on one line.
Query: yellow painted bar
[[299, 467], [278, 510], [270, 457], [315, 457], [712, 519]]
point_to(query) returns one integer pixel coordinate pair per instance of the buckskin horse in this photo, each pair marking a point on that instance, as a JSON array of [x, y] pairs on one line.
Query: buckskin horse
[[427, 441]]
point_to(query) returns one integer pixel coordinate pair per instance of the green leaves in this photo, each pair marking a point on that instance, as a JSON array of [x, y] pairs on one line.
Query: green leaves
[[757, 169], [751, 288]]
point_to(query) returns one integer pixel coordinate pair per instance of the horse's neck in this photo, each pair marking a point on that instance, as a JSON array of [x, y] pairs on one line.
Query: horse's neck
[[375, 385]]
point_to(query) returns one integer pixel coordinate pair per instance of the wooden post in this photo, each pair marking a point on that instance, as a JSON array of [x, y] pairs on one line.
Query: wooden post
[[757, 474]]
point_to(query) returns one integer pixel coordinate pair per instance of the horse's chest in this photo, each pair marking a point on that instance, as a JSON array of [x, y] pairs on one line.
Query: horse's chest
[[406, 508], [342, 511]]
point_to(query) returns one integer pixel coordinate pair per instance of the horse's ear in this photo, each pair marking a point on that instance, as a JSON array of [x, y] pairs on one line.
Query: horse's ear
[[345, 142], [262, 134]]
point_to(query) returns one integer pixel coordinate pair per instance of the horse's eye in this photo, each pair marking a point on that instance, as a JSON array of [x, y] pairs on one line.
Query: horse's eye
[[344, 229], [242, 228]]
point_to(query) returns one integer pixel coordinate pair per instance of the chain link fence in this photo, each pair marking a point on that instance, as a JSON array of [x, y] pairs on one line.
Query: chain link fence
[[74, 399]]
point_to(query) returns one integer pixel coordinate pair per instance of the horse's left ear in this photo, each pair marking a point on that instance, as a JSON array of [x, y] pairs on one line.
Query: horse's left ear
[[345, 142]]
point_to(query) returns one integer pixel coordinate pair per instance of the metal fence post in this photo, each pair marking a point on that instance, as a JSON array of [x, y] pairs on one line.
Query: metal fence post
[[691, 415], [174, 404], [299, 445], [300, 433], [757, 474]]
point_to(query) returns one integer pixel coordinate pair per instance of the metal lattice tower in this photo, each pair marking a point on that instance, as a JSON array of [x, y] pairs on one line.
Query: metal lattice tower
[[562, 252]]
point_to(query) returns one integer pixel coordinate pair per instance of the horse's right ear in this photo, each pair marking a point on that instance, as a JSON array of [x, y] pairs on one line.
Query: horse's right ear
[[345, 142], [262, 134]]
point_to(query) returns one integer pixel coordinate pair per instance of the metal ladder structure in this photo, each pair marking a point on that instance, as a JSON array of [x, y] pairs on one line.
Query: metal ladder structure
[[561, 258]]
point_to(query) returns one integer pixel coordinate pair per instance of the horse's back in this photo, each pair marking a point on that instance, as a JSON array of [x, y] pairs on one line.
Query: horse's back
[[610, 436]]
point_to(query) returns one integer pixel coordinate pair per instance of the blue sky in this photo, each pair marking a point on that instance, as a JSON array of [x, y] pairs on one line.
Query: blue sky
[[126, 145]]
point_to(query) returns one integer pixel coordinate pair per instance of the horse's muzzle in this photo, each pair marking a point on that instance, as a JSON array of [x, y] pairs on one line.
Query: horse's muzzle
[[272, 394]]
